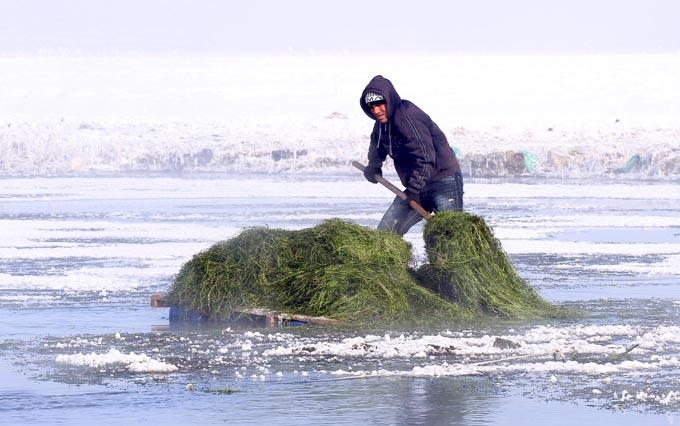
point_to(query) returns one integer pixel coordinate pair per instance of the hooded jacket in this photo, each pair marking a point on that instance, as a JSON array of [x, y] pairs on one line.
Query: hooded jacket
[[419, 149]]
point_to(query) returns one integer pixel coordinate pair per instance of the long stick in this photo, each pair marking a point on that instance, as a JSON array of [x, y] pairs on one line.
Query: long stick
[[398, 192]]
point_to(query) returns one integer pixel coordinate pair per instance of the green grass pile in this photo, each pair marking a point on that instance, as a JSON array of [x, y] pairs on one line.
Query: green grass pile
[[467, 265], [342, 270], [336, 269]]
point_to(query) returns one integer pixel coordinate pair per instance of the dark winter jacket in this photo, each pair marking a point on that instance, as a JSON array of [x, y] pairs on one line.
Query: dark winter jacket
[[419, 149]]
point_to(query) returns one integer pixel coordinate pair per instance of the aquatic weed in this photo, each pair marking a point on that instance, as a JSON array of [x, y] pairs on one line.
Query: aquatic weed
[[468, 266], [345, 271]]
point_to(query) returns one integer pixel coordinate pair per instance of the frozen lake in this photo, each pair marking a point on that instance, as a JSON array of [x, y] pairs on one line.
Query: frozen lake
[[80, 256]]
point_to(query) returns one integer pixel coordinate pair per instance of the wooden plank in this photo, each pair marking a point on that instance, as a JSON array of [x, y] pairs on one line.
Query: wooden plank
[[274, 318], [311, 320], [264, 317], [258, 316]]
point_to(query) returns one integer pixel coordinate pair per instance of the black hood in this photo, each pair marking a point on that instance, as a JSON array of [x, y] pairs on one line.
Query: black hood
[[383, 86]]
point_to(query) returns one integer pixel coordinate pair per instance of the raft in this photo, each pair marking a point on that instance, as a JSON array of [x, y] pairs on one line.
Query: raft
[[250, 317]]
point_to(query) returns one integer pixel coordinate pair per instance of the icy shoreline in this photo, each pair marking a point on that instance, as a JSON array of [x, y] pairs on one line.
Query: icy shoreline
[[328, 145], [542, 115]]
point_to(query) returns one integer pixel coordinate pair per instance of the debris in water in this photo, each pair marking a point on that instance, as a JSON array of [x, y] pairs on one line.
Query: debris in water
[[502, 343], [558, 355]]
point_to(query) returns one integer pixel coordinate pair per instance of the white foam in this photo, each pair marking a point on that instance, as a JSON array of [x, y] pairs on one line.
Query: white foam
[[583, 350], [669, 398], [574, 367], [137, 363], [537, 341]]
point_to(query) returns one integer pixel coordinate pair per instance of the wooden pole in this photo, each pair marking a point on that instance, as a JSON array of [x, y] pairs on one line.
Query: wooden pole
[[398, 192]]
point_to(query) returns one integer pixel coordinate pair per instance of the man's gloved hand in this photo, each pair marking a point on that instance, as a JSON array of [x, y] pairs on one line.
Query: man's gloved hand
[[412, 195], [370, 172]]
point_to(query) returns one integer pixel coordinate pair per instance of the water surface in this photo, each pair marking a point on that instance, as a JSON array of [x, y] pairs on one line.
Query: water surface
[[79, 258]]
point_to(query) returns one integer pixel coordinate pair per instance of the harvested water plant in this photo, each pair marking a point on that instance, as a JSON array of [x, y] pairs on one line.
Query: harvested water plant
[[348, 272]]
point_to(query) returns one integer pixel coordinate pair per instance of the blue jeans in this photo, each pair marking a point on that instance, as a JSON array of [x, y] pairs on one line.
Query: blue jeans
[[446, 194]]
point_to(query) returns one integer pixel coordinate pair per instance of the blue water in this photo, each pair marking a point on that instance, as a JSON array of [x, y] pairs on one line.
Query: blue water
[[55, 299]]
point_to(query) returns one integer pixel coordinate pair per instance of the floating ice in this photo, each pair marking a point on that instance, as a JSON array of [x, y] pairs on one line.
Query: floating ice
[[585, 349], [136, 363], [540, 341]]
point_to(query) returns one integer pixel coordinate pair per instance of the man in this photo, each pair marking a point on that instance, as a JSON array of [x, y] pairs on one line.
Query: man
[[425, 163]]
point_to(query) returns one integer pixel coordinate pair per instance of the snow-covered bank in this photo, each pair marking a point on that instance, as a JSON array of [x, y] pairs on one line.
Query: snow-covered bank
[[329, 144], [562, 115]]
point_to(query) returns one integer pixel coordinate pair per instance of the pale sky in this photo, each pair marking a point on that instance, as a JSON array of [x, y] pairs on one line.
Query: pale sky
[[353, 27]]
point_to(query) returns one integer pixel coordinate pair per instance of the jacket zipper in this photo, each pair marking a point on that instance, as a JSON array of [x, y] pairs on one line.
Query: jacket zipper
[[389, 138]]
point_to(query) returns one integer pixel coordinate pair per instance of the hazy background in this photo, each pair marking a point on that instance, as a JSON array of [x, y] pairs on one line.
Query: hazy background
[[146, 85], [348, 27]]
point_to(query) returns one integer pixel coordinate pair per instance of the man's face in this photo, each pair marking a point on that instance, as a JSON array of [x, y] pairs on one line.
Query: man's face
[[379, 111]]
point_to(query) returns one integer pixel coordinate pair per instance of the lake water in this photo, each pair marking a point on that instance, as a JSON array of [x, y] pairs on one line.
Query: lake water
[[80, 256]]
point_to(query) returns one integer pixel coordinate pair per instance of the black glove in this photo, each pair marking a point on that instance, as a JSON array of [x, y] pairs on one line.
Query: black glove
[[412, 194], [370, 172]]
